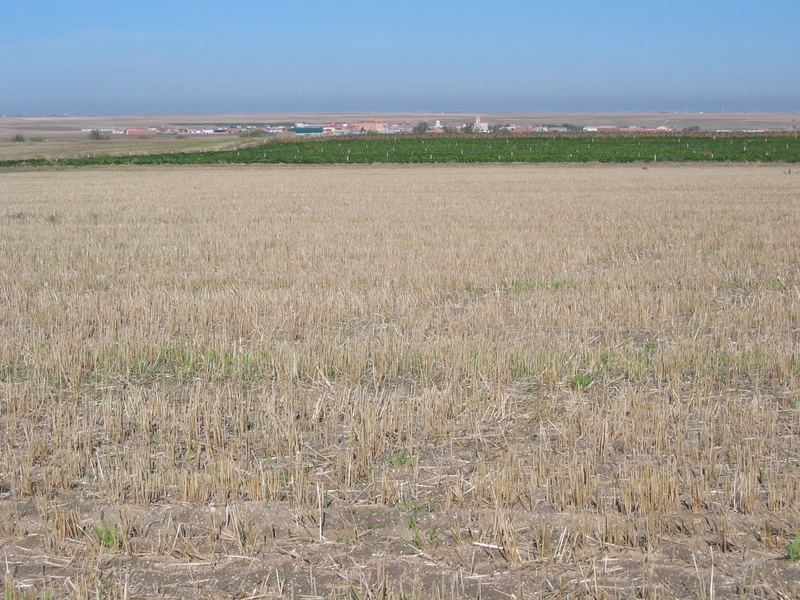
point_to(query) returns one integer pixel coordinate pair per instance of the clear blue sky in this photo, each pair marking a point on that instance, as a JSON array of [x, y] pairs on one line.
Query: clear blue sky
[[142, 56]]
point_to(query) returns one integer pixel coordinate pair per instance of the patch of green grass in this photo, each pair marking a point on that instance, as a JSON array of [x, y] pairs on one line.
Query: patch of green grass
[[13, 372], [416, 538], [580, 382], [344, 539], [400, 459], [793, 550], [521, 286], [411, 506], [522, 367], [109, 537]]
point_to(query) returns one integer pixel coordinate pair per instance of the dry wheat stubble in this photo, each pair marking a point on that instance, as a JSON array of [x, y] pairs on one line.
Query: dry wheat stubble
[[390, 378]]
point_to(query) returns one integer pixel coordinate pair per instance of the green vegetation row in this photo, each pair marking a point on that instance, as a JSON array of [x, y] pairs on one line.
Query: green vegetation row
[[475, 149]]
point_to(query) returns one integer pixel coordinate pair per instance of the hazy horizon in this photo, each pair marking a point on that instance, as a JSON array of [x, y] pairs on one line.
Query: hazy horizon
[[378, 57]]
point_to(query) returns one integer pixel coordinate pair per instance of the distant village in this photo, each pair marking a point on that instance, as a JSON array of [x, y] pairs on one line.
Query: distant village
[[378, 125]]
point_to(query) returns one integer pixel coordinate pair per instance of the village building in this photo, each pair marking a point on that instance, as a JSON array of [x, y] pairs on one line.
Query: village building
[[377, 125]]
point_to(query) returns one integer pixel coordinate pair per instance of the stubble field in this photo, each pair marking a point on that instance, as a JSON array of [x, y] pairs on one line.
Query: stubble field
[[119, 145], [496, 381]]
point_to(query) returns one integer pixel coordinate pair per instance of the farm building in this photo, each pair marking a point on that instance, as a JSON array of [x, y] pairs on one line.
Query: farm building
[[377, 125], [137, 131]]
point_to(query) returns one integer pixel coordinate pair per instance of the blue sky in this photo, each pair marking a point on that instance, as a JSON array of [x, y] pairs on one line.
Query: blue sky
[[167, 56]]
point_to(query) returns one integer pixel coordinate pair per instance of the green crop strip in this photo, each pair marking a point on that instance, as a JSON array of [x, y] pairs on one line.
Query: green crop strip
[[782, 148]]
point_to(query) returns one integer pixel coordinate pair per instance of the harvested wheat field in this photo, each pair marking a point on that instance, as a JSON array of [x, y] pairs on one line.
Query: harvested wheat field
[[434, 382]]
